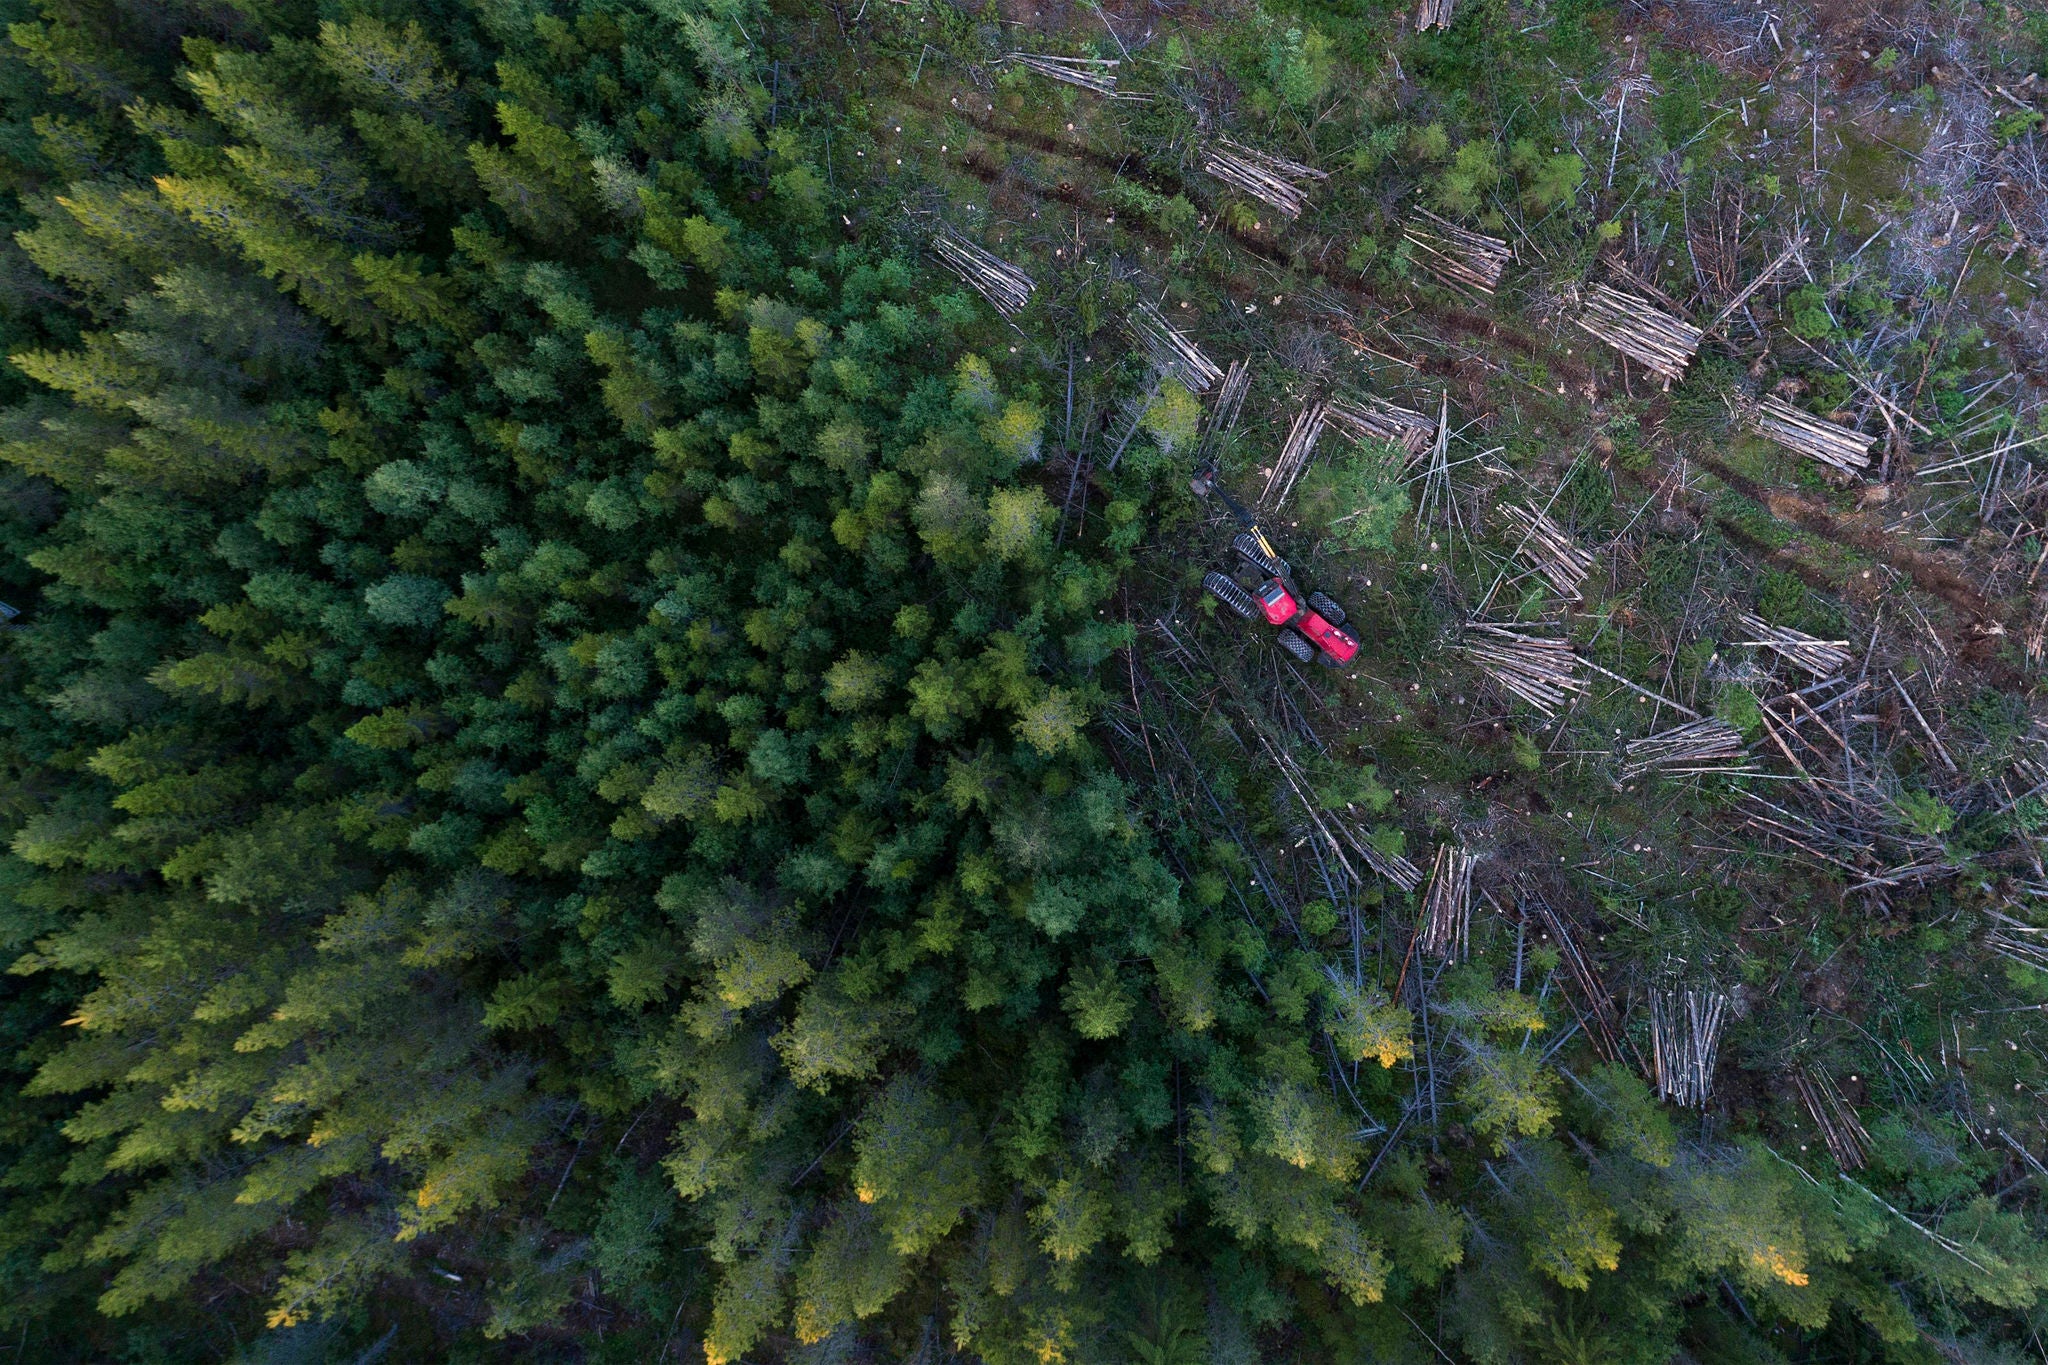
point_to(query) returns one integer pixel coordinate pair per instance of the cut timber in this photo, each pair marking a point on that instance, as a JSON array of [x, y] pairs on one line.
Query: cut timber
[[1541, 671], [1294, 454], [1006, 287], [1821, 658], [1456, 255], [1392, 866], [1375, 419], [1845, 1137], [1447, 909], [1640, 330], [1090, 73], [1700, 746], [1168, 348], [1561, 561], [1685, 1039], [1831, 443], [1223, 417], [1433, 14], [1274, 181]]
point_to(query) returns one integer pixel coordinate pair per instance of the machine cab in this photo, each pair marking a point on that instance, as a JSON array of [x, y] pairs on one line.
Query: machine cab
[[1278, 604]]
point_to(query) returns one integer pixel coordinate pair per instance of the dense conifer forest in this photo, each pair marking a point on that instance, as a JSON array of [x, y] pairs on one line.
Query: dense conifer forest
[[612, 747]]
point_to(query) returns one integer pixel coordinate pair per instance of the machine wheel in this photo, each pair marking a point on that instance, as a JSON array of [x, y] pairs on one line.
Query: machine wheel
[[1296, 644], [1247, 545], [1231, 594], [1325, 608]]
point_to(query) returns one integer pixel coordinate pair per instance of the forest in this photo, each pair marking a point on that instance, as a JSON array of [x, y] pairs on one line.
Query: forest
[[625, 734]]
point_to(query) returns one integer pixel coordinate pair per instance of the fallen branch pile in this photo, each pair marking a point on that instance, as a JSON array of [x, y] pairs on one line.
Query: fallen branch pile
[[1640, 330], [1821, 658], [1455, 255], [2017, 940], [1168, 348], [1006, 287], [1274, 181], [1801, 432], [1447, 909], [1294, 454], [1558, 559], [1090, 73], [1541, 671], [1375, 419], [1845, 1137], [1433, 14], [1685, 1039], [1698, 746]]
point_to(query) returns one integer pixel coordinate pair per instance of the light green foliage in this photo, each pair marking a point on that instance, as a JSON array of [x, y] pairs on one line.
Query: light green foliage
[[1098, 1001], [1173, 417], [1461, 187], [1509, 1093], [1358, 497], [1550, 180], [1298, 64]]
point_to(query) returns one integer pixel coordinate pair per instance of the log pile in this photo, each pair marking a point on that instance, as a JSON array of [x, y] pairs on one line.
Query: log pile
[[1433, 14], [1640, 330], [1237, 381], [1685, 1039], [1541, 671], [1698, 746], [1830, 443], [1006, 287], [1447, 909], [1090, 73], [1274, 181], [1845, 1137], [1294, 455], [1821, 658], [1391, 866], [1169, 349], [1375, 419], [1455, 255], [1557, 559]]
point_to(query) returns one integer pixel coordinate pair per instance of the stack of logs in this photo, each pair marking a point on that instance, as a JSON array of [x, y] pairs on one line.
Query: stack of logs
[[1006, 287], [1699, 746], [1294, 454], [1090, 73], [1839, 1128], [1558, 559], [1274, 181], [1830, 443], [1455, 255], [1172, 351], [1447, 909], [1375, 419], [1640, 330], [1539, 670], [1821, 658], [1685, 1040]]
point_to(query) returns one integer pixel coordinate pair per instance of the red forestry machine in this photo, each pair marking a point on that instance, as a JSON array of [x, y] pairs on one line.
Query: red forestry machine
[[1311, 626]]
